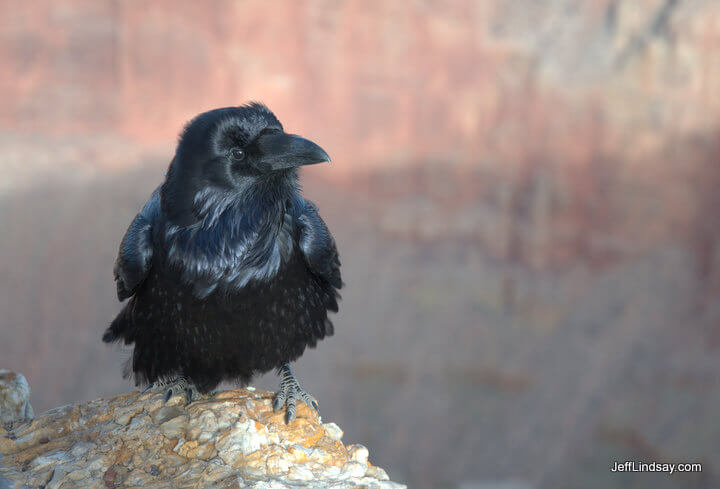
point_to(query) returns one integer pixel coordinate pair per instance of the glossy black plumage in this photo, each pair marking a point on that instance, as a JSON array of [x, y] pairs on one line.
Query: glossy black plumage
[[229, 272]]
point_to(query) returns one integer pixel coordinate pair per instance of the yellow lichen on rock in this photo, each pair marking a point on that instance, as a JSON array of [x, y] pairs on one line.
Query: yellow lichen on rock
[[231, 440]]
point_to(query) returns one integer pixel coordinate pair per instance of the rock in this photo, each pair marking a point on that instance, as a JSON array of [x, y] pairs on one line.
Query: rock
[[14, 397], [230, 440], [358, 453], [333, 431]]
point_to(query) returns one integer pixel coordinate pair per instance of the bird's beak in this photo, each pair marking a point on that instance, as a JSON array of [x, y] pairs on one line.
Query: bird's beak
[[280, 151]]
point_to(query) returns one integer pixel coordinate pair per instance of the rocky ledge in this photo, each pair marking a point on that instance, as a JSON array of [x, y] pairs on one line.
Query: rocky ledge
[[231, 440]]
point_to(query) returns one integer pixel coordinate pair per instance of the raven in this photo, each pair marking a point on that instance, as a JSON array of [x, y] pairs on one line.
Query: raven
[[228, 270]]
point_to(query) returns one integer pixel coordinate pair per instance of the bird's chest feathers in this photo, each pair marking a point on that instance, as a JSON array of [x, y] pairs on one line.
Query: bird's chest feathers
[[236, 248]]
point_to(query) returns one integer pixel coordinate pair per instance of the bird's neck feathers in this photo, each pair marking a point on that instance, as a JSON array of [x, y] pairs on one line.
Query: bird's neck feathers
[[256, 204], [239, 237], [238, 228]]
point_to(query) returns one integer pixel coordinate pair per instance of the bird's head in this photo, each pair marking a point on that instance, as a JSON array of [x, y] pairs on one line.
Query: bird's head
[[233, 153]]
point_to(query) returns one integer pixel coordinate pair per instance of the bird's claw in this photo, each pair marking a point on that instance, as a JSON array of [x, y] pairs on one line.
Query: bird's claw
[[177, 386], [288, 395], [289, 398]]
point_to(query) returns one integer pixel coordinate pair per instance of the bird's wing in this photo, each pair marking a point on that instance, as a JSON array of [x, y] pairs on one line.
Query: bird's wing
[[318, 246], [136, 249]]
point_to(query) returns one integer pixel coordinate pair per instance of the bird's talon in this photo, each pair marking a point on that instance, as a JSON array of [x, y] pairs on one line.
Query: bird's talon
[[279, 401], [290, 416], [178, 386], [290, 391]]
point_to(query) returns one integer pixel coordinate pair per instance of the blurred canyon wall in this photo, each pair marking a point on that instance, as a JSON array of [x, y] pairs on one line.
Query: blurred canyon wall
[[572, 118], [524, 194]]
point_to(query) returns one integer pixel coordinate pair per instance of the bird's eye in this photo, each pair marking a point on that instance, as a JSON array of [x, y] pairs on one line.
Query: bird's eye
[[237, 153]]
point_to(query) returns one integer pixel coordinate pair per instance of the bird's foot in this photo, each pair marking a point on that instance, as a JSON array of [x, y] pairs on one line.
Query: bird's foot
[[290, 391], [175, 387]]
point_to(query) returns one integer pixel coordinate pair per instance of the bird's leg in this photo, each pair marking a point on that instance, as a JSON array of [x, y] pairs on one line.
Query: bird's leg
[[175, 387], [158, 384], [290, 391]]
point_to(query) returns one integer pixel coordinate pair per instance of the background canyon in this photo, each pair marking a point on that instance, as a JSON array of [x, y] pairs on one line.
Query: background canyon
[[525, 194]]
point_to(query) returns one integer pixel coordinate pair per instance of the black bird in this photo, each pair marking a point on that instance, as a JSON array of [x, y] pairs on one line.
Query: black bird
[[229, 271]]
